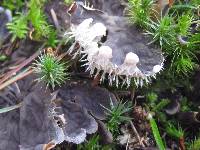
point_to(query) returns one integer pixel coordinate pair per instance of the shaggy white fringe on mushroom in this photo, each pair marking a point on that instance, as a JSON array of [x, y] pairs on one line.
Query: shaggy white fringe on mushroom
[[99, 57]]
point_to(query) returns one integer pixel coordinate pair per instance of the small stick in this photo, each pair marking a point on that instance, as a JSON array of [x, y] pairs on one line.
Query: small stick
[[132, 93], [49, 146], [9, 49], [127, 142], [62, 55], [17, 63], [27, 61], [55, 19], [16, 78], [10, 108], [17, 88], [136, 133], [133, 96]]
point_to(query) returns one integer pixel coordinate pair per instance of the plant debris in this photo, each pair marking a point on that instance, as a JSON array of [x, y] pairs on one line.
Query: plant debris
[[99, 75]]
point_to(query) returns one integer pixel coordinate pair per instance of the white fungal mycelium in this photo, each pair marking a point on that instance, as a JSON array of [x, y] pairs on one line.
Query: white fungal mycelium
[[99, 58], [157, 68]]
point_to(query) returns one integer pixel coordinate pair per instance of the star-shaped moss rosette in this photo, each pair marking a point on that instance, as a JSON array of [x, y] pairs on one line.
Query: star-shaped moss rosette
[[125, 53]]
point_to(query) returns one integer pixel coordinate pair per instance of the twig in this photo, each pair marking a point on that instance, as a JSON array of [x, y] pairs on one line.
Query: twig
[[9, 49], [62, 55], [49, 146], [133, 96], [136, 133], [10, 108], [4, 83], [55, 19], [23, 64], [17, 88], [127, 142], [17, 63], [16, 78]]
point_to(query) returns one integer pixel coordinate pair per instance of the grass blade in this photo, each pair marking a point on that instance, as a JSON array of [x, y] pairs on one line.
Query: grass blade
[[156, 133], [7, 109]]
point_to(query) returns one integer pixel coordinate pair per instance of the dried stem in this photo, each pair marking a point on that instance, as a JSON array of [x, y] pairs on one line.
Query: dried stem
[[137, 134], [16, 78], [55, 19], [23, 64], [49, 146], [127, 142]]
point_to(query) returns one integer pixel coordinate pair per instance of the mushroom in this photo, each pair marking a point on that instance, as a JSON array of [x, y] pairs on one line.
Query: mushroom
[[125, 54]]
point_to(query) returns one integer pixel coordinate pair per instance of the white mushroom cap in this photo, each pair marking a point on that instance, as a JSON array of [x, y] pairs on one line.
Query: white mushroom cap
[[157, 68], [85, 24], [92, 48], [98, 29], [105, 52], [88, 34], [80, 32], [131, 58]]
